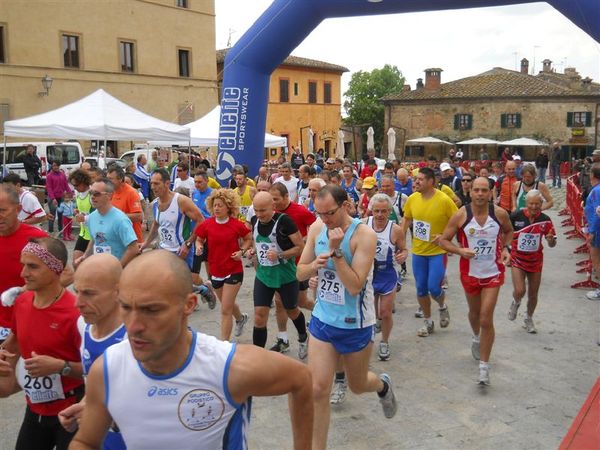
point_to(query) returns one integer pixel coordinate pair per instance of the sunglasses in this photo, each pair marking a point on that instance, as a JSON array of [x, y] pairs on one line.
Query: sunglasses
[[328, 213], [97, 193], [466, 180]]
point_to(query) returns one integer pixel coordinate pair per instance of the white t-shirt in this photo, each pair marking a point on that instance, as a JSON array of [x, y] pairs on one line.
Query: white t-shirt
[[30, 206], [188, 183], [291, 185]]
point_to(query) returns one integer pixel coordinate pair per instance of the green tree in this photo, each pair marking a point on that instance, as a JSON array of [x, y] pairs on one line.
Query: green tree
[[363, 98]]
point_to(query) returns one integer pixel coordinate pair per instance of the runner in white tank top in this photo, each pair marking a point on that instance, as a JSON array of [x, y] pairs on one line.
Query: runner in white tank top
[[484, 234], [170, 387]]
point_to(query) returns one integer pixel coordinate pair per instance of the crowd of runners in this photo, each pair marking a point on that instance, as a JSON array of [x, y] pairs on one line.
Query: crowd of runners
[[107, 362]]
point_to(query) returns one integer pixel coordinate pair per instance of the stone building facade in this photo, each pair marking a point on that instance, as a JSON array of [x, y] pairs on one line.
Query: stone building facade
[[155, 55], [499, 104]]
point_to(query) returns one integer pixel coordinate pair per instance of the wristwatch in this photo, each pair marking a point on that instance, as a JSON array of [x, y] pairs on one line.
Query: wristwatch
[[189, 244], [337, 253], [66, 370]]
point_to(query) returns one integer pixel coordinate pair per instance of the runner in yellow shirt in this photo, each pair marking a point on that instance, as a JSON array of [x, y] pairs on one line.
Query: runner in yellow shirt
[[429, 211]]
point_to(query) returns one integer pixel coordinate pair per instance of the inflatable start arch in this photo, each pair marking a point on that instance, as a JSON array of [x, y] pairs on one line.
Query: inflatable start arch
[[283, 26]]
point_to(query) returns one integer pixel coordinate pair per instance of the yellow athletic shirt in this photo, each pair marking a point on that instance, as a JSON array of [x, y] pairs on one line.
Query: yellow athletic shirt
[[245, 203], [429, 218]]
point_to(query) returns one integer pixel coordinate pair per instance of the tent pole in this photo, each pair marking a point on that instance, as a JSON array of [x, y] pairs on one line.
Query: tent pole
[[190, 153]]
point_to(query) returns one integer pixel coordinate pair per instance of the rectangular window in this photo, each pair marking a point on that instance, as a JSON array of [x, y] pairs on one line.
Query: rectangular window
[[327, 92], [126, 55], [295, 88], [312, 92], [415, 151], [181, 3], [184, 62], [70, 50], [284, 90], [510, 120], [579, 119], [2, 45], [463, 121], [66, 154]]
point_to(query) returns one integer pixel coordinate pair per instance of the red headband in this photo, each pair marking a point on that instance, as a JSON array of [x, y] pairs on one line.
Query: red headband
[[53, 263]]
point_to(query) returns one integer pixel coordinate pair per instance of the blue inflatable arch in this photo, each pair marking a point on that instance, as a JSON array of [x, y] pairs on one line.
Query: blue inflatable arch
[[283, 26]]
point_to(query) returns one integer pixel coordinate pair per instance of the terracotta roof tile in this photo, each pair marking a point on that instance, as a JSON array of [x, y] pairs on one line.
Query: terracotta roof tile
[[497, 82], [296, 61]]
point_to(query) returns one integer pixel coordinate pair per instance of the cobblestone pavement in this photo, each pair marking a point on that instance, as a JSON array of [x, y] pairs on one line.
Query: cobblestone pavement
[[539, 381]]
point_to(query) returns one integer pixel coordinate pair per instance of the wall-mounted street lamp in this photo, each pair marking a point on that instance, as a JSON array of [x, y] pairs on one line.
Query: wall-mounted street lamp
[[46, 84]]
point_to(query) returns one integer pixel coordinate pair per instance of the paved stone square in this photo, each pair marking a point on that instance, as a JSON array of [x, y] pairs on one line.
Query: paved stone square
[[539, 381]]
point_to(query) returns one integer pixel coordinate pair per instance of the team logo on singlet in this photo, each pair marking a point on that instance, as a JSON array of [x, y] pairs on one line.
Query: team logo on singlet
[[329, 275], [264, 246], [471, 231], [200, 409]]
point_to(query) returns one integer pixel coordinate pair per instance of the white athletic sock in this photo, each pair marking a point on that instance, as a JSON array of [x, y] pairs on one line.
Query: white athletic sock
[[483, 364], [429, 320], [283, 336], [475, 338]]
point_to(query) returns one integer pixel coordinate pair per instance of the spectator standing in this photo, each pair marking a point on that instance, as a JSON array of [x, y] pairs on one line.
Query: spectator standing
[[483, 155], [555, 161], [541, 164], [67, 210], [56, 185], [297, 158], [32, 165]]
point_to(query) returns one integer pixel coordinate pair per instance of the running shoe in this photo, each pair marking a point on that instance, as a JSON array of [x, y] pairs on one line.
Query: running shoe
[[593, 295], [239, 325], [378, 326], [444, 317], [426, 329], [207, 295], [475, 346], [388, 401], [384, 351], [338, 393], [419, 313], [484, 375], [403, 273], [445, 283], [512, 312], [282, 346], [302, 349], [528, 325]]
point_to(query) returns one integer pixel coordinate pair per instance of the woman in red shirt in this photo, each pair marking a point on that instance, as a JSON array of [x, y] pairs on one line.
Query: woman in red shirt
[[221, 233]]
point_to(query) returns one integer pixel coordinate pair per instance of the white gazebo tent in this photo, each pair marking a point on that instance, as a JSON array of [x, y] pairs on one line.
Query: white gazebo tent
[[524, 142], [480, 141], [204, 132], [428, 141], [99, 116]]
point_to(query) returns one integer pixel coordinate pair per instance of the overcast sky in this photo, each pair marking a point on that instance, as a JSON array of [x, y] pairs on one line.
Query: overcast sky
[[461, 42]]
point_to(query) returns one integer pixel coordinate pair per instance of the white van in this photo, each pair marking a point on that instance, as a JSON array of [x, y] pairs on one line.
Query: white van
[[69, 154], [132, 155]]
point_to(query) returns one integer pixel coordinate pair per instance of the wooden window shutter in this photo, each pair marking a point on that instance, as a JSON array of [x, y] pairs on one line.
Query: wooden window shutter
[[502, 120], [518, 124], [456, 122], [569, 119], [588, 119]]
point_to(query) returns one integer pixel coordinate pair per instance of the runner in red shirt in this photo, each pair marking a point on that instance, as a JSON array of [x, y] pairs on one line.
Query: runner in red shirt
[[484, 233], [527, 254], [42, 353], [221, 233], [13, 237]]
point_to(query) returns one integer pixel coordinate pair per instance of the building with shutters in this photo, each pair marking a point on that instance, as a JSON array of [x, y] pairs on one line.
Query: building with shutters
[[155, 55], [304, 94], [499, 104]]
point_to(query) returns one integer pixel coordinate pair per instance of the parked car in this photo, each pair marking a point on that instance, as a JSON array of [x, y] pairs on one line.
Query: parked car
[[69, 154], [104, 163]]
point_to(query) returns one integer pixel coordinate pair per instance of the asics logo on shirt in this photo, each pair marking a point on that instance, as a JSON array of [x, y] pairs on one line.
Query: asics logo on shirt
[[154, 390]]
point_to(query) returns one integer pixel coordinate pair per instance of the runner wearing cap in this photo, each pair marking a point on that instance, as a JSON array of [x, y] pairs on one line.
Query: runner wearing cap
[[369, 189]]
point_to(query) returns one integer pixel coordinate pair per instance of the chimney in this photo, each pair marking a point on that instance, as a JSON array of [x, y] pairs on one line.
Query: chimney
[[419, 83], [524, 66], [586, 84], [433, 79], [547, 66]]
